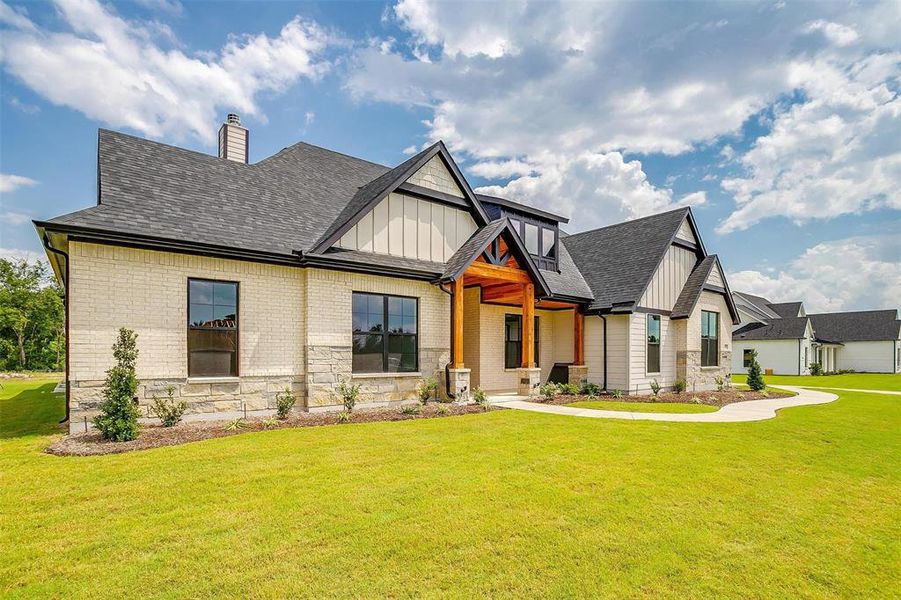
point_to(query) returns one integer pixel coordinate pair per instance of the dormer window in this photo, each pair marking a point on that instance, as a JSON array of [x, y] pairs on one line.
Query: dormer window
[[539, 237]]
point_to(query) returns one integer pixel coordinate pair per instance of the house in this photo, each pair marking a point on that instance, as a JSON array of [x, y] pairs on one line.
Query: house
[[788, 340], [311, 267]]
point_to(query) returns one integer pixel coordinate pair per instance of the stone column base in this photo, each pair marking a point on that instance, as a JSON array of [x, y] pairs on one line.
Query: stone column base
[[459, 384], [529, 381], [578, 374]]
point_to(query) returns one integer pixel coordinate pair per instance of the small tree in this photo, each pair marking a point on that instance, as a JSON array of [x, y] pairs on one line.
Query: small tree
[[118, 418], [755, 378]]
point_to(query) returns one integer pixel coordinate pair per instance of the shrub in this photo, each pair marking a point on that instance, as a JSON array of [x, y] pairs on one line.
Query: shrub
[[235, 424], [428, 389], [713, 400], [720, 383], [167, 409], [816, 368], [411, 409], [590, 389], [350, 393], [284, 402], [344, 416], [655, 387], [270, 423], [696, 400], [118, 418], [755, 378], [549, 391], [740, 396], [764, 393], [442, 410], [479, 396], [679, 386], [616, 393], [569, 389]]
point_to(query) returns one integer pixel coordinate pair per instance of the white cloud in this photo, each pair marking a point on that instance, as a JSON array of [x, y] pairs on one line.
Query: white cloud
[[28, 109], [837, 152], [561, 88], [857, 273], [10, 183], [14, 218], [16, 254], [838, 34], [124, 73]]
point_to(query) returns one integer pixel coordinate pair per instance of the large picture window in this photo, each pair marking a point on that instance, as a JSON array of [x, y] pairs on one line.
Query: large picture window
[[513, 341], [653, 344], [212, 328], [710, 341], [385, 334]]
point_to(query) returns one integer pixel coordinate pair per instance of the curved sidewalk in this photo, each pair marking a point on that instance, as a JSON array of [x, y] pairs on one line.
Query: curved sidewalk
[[751, 410]]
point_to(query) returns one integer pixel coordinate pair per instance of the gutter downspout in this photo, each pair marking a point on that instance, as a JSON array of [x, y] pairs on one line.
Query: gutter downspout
[[447, 388], [50, 248], [605, 351]]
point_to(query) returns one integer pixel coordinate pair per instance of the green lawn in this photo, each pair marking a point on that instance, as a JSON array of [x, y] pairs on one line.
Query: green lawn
[[505, 504], [649, 407], [857, 381]]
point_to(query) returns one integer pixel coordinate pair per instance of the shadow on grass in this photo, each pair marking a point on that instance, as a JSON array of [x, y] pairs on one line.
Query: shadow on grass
[[34, 410]]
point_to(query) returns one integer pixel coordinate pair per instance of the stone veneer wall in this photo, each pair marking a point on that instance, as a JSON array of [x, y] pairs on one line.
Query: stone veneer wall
[[144, 290]]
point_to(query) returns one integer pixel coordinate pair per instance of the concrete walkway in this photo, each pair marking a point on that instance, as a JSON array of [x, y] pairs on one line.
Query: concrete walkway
[[751, 410], [840, 389]]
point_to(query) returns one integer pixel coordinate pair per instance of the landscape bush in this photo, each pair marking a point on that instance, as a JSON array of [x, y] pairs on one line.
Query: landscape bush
[[549, 391], [655, 387], [616, 393], [679, 386], [590, 389], [755, 377], [167, 409], [349, 393], [428, 389], [569, 389], [118, 418], [816, 368], [284, 402], [479, 396]]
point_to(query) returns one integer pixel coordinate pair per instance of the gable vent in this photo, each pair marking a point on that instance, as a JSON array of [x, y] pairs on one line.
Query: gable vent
[[233, 139]]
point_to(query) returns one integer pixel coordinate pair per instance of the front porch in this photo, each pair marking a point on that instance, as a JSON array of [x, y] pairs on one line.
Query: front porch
[[507, 334]]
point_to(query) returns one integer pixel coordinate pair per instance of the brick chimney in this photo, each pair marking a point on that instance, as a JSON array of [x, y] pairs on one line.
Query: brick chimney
[[233, 139]]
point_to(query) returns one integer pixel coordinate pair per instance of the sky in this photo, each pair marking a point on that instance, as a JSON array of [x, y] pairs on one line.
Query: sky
[[778, 122]]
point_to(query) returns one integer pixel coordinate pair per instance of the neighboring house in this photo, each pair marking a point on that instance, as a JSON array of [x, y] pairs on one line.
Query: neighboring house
[[788, 340], [311, 267]]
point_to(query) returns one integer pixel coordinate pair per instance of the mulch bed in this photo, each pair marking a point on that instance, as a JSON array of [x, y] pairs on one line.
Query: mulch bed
[[711, 398], [156, 436]]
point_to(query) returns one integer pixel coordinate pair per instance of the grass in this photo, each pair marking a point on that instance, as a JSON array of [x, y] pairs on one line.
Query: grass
[[505, 504], [858, 381], [648, 407]]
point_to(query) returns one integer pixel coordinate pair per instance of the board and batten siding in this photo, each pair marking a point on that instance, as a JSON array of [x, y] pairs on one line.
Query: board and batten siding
[[617, 351], [639, 378], [685, 232], [401, 225], [670, 278]]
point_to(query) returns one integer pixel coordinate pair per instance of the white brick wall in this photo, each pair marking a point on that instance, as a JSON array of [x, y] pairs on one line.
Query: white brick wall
[[113, 287]]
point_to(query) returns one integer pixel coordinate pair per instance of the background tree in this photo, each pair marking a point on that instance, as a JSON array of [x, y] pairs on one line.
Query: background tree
[[32, 319]]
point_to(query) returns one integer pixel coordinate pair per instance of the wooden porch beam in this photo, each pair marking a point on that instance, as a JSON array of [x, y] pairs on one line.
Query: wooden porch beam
[[458, 322], [504, 291], [480, 269], [528, 326], [578, 337]]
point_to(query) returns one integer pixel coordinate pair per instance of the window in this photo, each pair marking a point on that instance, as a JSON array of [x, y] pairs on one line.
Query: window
[[746, 356], [806, 362], [384, 334], [710, 342], [212, 328], [531, 238], [513, 341], [653, 344], [548, 248]]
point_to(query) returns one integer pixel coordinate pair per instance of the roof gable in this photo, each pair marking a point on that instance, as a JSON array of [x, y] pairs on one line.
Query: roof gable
[[619, 261], [794, 328], [859, 326], [370, 194], [707, 270], [788, 309]]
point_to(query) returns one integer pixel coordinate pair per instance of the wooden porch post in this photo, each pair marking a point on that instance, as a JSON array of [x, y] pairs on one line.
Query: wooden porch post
[[578, 337], [458, 323], [528, 325]]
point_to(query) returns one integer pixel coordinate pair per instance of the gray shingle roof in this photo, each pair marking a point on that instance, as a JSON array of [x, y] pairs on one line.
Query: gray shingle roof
[[568, 281], [786, 309], [792, 328], [755, 304], [693, 287], [278, 205], [868, 325], [618, 261]]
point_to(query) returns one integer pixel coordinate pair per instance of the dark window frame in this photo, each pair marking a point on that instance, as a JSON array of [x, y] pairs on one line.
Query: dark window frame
[[386, 333], [548, 263], [649, 344], [707, 341], [189, 327], [517, 358], [746, 356]]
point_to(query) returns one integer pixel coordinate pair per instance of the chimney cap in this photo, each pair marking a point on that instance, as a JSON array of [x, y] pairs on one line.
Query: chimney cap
[[233, 119]]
